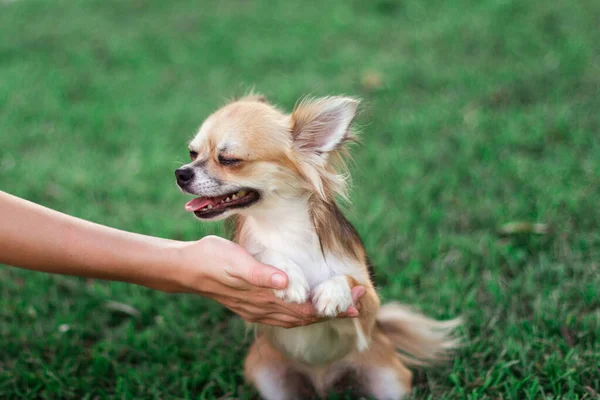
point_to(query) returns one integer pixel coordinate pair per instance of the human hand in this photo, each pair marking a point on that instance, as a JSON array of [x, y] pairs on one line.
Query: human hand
[[226, 272]]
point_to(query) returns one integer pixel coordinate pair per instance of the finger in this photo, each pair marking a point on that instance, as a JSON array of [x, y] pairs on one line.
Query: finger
[[276, 322], [268, 298], [265, 276], [256, 313], [260, 309], [231, 303], [303, 311], [259, 313], [352, 312], [286, 319], [253, 314], [357, 293]]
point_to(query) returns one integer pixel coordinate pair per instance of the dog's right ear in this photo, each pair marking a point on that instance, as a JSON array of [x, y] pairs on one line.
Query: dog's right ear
[[322, 125]]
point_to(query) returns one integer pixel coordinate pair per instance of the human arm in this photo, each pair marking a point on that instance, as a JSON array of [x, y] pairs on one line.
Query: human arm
[[37, 238]]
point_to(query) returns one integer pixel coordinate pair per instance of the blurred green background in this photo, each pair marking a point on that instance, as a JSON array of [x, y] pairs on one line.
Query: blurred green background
[[476, 114]]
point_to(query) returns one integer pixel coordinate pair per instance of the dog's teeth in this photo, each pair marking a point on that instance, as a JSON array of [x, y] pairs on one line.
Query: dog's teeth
[[233, 197], [209, 206], [241, 193], [227, 200]]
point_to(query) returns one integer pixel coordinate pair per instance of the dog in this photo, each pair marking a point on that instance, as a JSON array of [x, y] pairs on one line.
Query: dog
[[277, 177]]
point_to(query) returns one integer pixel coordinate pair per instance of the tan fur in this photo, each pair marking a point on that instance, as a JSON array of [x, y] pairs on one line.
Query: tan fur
[[293, 154], [336, 233], [369, 306], [420, 340], [327, 179]]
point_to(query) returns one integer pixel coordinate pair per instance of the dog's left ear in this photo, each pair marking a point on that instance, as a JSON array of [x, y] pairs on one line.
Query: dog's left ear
[[321, 125]]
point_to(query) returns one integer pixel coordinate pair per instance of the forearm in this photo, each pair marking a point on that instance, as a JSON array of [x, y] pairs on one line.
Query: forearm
[[35, 237]]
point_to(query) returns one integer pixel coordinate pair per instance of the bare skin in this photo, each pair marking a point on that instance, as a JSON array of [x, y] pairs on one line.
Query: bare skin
[[37, 238]]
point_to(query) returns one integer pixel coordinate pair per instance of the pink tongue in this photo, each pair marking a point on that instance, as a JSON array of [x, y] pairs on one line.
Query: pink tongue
[[197, 204]]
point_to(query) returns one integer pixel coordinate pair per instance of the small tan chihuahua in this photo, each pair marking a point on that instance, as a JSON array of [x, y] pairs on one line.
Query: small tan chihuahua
[[277, 175]]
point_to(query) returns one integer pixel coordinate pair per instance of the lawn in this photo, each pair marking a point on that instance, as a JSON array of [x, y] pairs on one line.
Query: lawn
[[476, 114]]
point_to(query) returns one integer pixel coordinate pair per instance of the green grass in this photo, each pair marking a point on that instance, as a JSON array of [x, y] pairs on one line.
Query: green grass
[[488, 112]]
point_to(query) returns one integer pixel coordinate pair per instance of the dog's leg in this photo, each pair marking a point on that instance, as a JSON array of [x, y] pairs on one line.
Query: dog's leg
[[380, 372], [298, 289], [334, 296], [271, 373]]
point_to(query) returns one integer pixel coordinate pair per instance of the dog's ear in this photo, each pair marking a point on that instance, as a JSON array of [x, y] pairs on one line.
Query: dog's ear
[[322, 125]]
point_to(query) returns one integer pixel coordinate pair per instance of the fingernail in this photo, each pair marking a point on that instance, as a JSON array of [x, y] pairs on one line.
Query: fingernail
[[278, 281]]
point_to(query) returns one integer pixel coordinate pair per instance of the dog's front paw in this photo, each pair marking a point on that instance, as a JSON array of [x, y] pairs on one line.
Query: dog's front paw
[[297, 290], [332, 297]]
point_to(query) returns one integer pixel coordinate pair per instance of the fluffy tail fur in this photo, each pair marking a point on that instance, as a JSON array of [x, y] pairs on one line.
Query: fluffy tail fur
[[420, 340]]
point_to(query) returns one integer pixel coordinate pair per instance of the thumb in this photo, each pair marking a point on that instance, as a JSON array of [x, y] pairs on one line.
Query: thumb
[[266, 276]]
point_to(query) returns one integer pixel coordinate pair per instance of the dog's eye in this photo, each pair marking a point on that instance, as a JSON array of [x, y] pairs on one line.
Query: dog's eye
[[229, 161], [193, 155]]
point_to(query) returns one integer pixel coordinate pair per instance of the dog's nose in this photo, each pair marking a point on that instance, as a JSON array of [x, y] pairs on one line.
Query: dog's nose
[[184, 175]]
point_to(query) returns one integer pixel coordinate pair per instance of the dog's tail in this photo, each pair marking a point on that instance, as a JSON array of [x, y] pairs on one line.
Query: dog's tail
[[420, 340]]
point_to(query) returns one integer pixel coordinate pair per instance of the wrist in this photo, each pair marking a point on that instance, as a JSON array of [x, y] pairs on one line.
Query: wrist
[[168, 268], [182, 268]]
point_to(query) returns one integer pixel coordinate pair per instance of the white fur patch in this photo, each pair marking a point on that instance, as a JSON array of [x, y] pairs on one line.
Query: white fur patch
[[319, 343], [361, 340], [271, 384], [345, 266], [295, 239], [383, 384], [332, 296], [296, 292]]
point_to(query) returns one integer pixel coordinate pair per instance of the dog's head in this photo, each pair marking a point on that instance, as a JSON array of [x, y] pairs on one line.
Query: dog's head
[[249, 155]]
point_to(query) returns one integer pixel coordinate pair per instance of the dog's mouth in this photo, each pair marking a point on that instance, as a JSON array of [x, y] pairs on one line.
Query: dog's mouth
[[210, 207]]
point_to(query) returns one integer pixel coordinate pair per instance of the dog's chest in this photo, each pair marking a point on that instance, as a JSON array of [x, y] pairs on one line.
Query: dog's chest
[[297, 242]]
